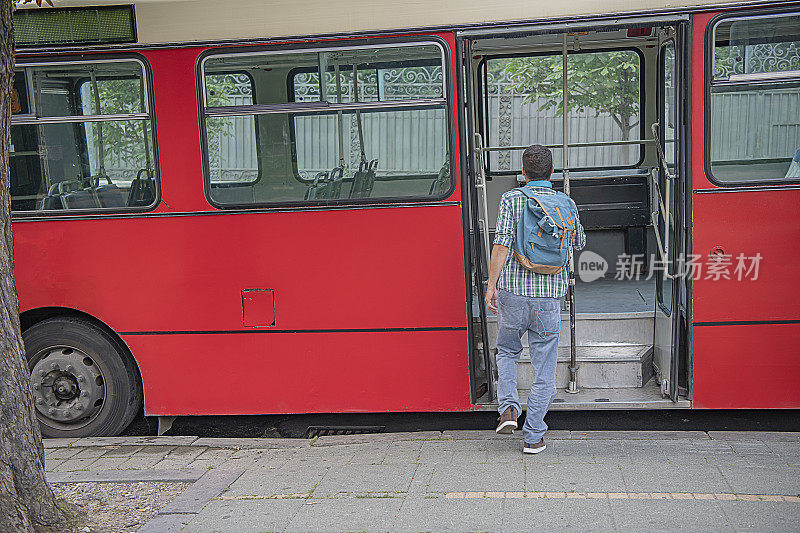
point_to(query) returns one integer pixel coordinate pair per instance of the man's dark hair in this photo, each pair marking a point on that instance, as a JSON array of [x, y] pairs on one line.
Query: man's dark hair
[[537, 162]]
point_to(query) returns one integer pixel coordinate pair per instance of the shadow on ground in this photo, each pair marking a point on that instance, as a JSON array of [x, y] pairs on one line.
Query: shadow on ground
[[297, 426]]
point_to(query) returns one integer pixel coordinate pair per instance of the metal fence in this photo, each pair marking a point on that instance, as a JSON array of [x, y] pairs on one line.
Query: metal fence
[[746, 125]]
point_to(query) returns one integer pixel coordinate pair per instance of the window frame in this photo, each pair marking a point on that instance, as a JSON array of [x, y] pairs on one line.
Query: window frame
[[708, 83], [482, 68], [149, 113], [447, 103]]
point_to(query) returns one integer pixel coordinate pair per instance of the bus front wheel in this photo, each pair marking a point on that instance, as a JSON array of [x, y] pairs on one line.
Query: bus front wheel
[[83, 385]]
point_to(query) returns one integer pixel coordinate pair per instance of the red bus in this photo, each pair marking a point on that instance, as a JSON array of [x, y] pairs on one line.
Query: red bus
[[233, 209]]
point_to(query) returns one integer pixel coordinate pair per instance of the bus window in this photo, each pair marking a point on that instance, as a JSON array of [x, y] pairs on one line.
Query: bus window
[[82, 138], [232, 142], [755, 99], [329, 125], [523, 105]]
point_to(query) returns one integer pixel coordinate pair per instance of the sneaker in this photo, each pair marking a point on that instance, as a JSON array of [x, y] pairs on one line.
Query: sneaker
[[534, 448], [508, 421]]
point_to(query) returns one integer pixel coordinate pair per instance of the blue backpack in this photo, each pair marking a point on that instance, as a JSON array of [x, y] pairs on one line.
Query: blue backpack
[[545, 230]]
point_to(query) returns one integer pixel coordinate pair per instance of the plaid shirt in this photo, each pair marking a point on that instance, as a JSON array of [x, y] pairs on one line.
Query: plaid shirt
[[514, 277]]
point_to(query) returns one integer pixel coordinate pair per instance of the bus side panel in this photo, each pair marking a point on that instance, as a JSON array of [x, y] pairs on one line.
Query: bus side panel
[[749, 367], [261, 373], [748, 223], [755, 364]]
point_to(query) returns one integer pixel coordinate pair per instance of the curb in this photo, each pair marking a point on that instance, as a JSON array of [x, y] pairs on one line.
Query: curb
[[341, 440], [180, 511], [125, 476]]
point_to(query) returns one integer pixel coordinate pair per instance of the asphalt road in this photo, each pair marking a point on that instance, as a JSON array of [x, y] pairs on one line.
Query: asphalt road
[[299, 426]]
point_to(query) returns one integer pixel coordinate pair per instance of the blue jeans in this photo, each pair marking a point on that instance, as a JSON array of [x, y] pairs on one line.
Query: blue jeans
[[541, 318]]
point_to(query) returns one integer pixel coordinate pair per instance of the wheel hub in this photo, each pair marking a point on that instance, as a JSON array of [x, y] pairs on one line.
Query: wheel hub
[[67, 385]]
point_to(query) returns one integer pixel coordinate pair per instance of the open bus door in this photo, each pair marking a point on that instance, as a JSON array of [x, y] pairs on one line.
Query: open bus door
[[482, 358], [668, 118], [667, 209]]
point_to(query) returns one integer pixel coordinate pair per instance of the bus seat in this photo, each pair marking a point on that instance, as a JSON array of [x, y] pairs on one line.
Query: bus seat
[[335, 183], [80, 199], [364, 179], [143, 189], [52, 200], [108, 194], [442, 182], [316, 187]]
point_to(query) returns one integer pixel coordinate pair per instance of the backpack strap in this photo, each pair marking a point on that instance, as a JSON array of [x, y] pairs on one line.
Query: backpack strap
[[529, 194]]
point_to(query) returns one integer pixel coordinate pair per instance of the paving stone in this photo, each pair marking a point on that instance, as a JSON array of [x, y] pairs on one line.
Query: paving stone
[[479, 434], [372, 454], [58, 443], [568, 448], [477, 477], [403, 452], [766, 436], [165, 523], [639, 435], [73, 464], [762, 516], [436, 452], [61, 453], [199, 493], [91, 453], [441, 514], [261, 482], [243, 516], [528, 514], [607, 450], [711, 446], [421, 480], [758, 480], [241, 444], [179, 457], [367, 478], [122, 451], [504, 451], [784, 448], [657, 477], [571, 477], [133, 441], [558, 434], [147, 457], [211, 458], [50, 464], [124, 476], [346, 514], [751, 448], [107, 463], [670, 515]]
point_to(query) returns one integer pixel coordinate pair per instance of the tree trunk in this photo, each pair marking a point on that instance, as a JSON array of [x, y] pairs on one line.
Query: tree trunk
[[27, 502]]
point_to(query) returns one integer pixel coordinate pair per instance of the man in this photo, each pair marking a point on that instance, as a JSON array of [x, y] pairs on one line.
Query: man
[[526, 301]]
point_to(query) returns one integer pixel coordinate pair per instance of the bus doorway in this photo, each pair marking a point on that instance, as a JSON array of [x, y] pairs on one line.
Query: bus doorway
[[616, 126]]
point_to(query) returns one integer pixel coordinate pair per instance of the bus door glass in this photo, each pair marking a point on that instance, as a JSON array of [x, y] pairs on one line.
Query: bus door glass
[[665, 213]]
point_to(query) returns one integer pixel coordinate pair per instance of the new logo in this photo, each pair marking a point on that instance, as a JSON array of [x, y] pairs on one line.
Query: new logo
[[591, 266]]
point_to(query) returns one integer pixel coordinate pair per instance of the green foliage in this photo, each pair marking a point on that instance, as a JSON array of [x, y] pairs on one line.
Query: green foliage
[[123, 140], [603, 82]]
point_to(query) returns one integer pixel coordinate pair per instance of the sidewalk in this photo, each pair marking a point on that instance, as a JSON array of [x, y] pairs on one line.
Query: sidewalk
[[459, 481]]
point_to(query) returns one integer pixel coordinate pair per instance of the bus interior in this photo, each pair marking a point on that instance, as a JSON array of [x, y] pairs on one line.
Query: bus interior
[[620, 111]]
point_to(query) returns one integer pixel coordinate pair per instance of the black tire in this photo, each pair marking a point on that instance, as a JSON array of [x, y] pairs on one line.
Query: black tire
[[116, 395]]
